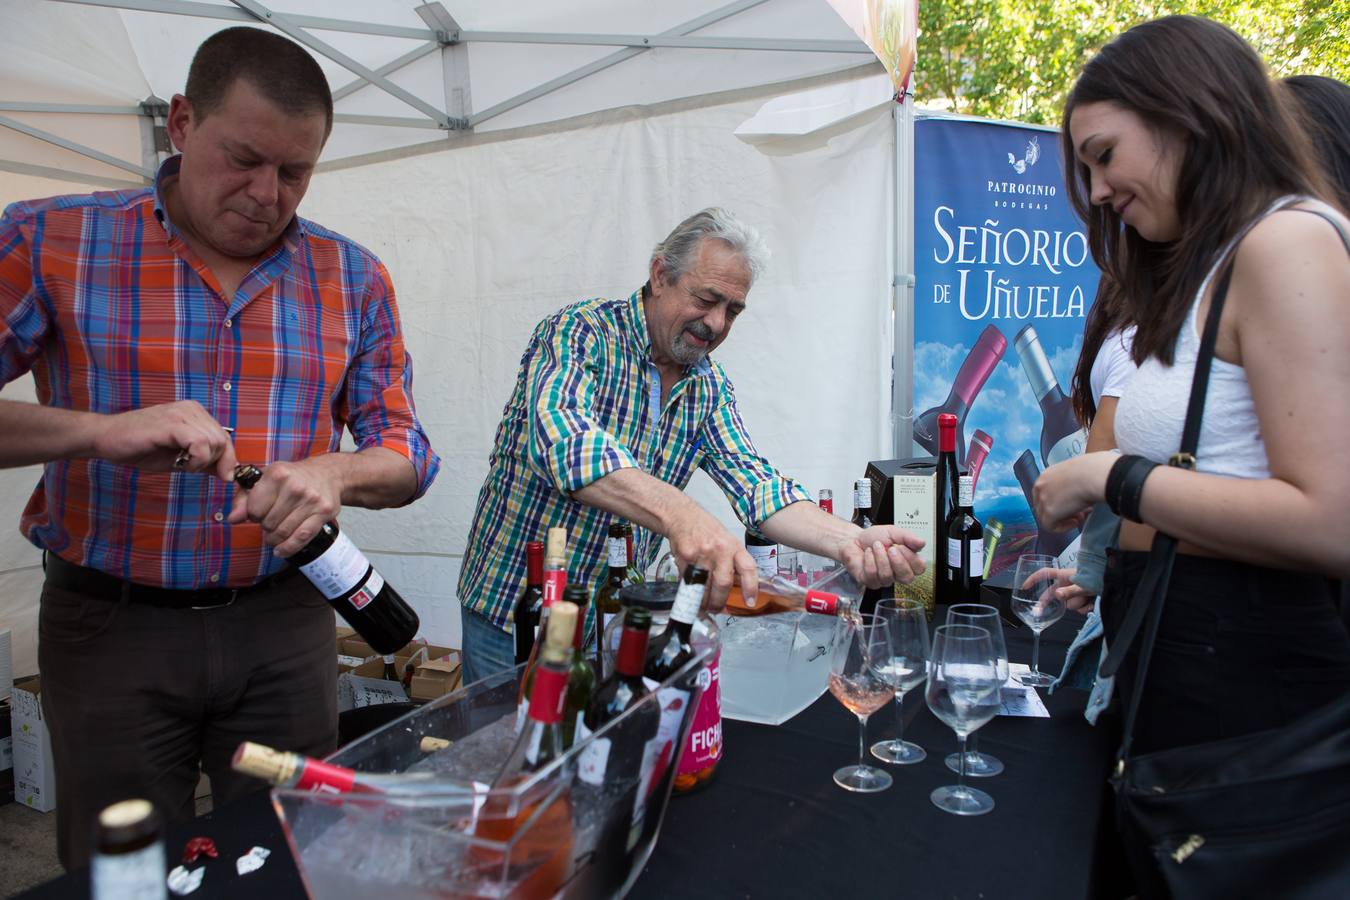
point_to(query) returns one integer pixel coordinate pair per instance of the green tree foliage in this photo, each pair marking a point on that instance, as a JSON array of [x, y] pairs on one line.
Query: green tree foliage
[[1017, 59]]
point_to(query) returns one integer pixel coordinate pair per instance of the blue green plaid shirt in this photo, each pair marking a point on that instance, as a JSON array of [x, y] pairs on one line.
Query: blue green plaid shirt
[[587, 402]]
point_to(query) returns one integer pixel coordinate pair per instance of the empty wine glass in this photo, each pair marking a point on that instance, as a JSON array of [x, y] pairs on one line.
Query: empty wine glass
[[981, 615], [906, 668], [1035, 602], [861, 647], [963, 691]]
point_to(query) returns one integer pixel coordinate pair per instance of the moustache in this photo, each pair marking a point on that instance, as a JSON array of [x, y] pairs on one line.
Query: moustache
[[700, 331]]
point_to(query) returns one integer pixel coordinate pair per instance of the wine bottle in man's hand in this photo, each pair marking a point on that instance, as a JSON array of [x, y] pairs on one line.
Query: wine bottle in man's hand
[[341, 572]]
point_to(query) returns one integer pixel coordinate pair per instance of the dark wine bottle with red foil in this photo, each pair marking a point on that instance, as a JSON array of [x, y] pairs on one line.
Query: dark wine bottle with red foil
[[965, 547], [980, 446], [530, 604], [358, 592], [1051, 543], [1061, 435], [947, 474], [979, 364], [582, 675]]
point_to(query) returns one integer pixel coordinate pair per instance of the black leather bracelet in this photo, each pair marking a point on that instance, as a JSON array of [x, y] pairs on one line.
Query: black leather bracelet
[[1125, 485]]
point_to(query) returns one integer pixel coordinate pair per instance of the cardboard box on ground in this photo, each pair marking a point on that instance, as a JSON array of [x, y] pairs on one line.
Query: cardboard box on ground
[[34, 771], [361, 679]]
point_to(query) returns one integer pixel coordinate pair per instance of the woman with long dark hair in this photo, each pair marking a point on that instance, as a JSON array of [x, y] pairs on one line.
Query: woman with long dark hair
[[1183, 161]]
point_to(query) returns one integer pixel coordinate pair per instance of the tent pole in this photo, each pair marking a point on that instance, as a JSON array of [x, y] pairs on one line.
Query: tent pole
[[902, 284]]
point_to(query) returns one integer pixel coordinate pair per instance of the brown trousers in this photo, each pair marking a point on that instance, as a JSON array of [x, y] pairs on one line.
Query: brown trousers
[[139, 698]]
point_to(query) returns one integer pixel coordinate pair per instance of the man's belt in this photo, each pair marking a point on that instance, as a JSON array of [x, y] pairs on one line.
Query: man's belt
[[83, 580]]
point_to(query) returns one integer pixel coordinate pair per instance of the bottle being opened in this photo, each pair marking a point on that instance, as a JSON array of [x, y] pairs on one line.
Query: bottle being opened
[[341, 572]]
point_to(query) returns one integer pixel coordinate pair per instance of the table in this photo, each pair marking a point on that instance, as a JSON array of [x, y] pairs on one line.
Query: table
[[774, 824]]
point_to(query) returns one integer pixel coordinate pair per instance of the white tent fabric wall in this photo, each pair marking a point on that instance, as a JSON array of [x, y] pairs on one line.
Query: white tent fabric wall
[[485, 241]]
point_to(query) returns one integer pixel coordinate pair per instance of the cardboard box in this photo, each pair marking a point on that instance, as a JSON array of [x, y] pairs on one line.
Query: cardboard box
[[437, 677], [34, 771]]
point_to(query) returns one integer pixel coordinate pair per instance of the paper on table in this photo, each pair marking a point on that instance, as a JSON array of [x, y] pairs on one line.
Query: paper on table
[[1019, 700]]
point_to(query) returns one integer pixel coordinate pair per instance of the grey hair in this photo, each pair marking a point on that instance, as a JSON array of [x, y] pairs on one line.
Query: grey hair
[[678, 249]]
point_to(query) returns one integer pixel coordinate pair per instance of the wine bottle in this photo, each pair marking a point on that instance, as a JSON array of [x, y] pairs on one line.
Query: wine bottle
[[341, 572], [862, 503], [525, 618], [1060, 544], [980, 446], [539, 857], [628, 752], [634, 574], [555, 581], [607, 602], [390, 673], [667, 653], [945, 498], [965, 546], [303, 773], [975, 370], [409, 670], [1061, 435], [764, 552], [993, 531], [128, 861], [581, 676], [826, 500]]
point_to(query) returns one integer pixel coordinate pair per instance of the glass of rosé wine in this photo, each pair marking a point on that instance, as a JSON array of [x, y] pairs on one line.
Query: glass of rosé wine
[[861, 649]]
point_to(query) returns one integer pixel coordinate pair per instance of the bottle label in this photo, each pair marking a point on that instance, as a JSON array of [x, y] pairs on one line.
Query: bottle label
[[976, 567], [593, 761], [823, 603], [546, 703], [688, 599], [618, 553], [1067, 447], [674, 703], [766, 559], [368, 591], [555, 580], [703, 748], [124, 876], [862, 496], [339, 569], [965, 491]]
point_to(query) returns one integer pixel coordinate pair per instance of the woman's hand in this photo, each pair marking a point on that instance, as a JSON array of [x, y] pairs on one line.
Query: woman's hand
[[1065, 492]]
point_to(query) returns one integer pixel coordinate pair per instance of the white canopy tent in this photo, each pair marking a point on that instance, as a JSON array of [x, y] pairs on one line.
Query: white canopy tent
[[504, 160]]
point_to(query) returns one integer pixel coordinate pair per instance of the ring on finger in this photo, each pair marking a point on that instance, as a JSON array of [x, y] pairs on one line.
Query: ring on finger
[[181, 460]]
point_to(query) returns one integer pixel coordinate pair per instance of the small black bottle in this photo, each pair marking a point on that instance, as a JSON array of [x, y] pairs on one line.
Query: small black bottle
[[358, 592]]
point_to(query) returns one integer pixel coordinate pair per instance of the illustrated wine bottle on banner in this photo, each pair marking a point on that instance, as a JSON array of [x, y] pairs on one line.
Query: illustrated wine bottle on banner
[[1061, 435], [1063, 545], [979, 364]]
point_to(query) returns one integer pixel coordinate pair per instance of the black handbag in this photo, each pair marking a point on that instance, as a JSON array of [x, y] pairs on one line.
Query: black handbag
[[1260, 815]]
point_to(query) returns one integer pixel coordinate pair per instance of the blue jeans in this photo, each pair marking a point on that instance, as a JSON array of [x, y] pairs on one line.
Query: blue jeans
[[486, 648]]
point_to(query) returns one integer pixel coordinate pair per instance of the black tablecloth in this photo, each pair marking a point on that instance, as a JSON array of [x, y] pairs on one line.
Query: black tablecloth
[[773, 823]]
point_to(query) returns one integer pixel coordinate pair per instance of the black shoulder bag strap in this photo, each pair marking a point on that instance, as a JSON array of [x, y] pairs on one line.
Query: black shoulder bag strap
[[1152, 589]]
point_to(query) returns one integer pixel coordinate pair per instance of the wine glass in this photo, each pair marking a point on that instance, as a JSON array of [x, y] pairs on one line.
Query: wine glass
[[981, 615], [963, 691], [1035, 602], [861, 648], [904, 669]]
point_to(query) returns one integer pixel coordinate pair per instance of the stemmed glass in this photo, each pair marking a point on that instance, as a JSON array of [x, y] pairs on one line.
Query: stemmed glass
[[1035, 602], [861, 647], [980, 765], [906, 668], [963, 691]]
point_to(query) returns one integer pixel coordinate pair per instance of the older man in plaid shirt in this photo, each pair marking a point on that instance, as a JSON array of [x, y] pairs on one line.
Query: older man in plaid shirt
[[615, 406]]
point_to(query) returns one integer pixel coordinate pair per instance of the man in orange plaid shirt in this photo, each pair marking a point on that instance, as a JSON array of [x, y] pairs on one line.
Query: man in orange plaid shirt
[[155, 323]]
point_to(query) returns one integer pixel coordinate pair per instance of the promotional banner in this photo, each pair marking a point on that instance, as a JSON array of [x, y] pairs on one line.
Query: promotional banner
[[1004, 279], [890, 28]]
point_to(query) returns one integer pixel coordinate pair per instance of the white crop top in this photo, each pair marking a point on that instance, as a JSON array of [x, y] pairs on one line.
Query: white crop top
[[1150, 415]]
